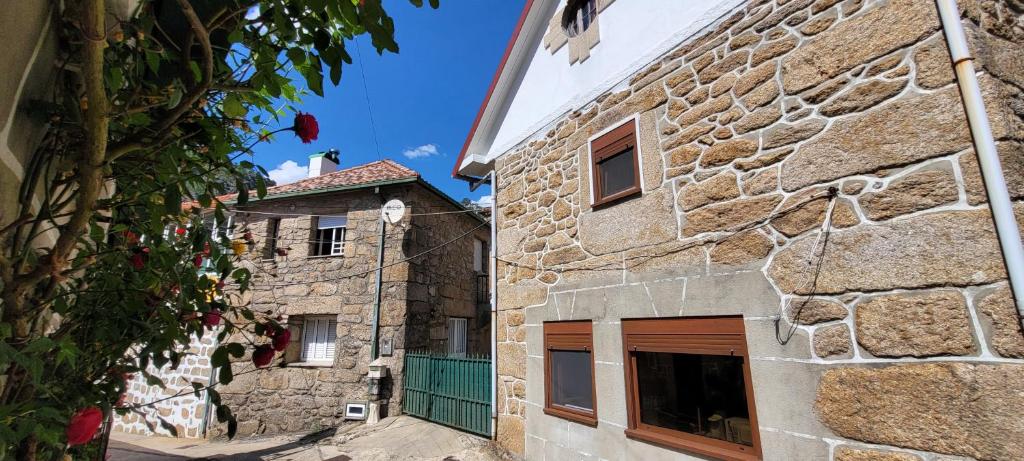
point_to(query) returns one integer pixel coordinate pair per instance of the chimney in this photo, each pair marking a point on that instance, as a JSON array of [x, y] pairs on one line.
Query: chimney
[[323, 162]]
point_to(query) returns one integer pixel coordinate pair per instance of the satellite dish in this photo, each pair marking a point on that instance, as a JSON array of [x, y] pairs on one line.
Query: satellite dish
[[393, 211]]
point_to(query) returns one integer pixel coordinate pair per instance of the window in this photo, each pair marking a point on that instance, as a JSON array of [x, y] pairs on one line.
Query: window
[[329, 236], [270, 246], [569, 371], [688, 385], [319, 333], [578, 16], [479, 260], [614, 164], [227, 228], [457, 336]]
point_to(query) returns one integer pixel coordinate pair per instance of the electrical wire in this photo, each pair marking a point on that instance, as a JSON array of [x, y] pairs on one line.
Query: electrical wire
[[385, 266], [366, 93], [341, 215], [812, 279]]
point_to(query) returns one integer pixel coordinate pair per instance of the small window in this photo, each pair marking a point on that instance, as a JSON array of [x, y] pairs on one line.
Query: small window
[[479, 260], [270, 246], [578, 16], [615, 166], [319, 333], [457, 336], [688, 386], [226, 229], [329, 236], [569, 371]]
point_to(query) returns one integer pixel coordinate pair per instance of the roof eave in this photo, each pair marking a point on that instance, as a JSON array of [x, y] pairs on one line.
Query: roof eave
[[500, 76], [326, 190]]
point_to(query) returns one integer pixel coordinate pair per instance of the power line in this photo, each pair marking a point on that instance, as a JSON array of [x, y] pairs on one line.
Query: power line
[[341, 215], [385, 266], [366, 93]]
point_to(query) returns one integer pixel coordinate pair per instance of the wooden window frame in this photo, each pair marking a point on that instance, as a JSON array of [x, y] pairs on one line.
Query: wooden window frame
[[691, 335], [569, 336], [609, 144]]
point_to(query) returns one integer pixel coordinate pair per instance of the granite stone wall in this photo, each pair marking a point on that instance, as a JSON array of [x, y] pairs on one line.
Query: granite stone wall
[[417, 294], [911, 346], [185, 412]]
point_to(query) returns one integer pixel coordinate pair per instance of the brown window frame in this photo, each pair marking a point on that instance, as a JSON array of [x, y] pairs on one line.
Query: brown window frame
[[690, 335], [610, 144], [569, 336]]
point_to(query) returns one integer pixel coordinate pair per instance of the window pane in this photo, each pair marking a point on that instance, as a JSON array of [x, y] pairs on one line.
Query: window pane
[[699, 394], [571, 381], [617, 173]]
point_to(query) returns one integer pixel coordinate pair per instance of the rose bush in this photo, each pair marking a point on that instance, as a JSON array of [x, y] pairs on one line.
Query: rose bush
[[148, 108]]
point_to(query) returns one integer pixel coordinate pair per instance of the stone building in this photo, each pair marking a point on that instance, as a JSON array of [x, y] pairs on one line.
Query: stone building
[[314, 264], [752, 230], [318, 243]]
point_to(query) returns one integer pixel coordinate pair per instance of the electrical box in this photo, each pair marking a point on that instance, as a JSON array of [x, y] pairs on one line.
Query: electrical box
[[378, 370]]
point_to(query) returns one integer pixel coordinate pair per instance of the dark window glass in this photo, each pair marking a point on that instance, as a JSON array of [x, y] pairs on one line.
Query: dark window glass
[[270, 246], [699, 394], [617, 173], [571, 381]]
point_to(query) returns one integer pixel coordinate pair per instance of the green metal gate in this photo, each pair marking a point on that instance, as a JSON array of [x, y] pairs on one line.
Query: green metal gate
[[454, 391]]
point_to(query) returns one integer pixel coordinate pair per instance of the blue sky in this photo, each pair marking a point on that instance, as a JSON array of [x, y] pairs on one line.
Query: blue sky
[[424, 99]]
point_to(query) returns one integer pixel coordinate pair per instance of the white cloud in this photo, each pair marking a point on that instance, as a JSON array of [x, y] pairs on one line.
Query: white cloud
[[426, 150], [483, 202], [288, 172]]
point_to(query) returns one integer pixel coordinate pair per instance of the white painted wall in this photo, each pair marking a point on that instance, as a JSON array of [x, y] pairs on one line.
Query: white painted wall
[[633, 34]]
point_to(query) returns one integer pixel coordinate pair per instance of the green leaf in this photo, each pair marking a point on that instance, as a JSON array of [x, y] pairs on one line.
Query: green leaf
[[233, 107], [175, 97], [296, 55]]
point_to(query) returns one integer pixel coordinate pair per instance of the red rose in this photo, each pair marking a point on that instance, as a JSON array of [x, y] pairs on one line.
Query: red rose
[[206, 248], [212, 318], [263, 355], [130, 238], [137, 261], [198, 261], [281, 340], [306, 127], [83, 425], [180, 231]]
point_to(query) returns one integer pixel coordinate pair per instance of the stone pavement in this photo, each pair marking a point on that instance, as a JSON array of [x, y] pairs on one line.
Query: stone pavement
[[400, 438]]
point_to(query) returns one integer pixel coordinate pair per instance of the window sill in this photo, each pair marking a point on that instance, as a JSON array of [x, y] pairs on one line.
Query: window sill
[[615, 198], [571, 416], [317, 364], [324, 256], [694, 446]]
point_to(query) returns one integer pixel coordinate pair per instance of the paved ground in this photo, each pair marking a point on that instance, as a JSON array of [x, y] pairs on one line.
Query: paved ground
[[400, 438]]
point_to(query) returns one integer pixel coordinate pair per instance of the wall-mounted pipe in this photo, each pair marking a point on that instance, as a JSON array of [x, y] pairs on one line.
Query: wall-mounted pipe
[[985, 146], [374, 328], [493, 281]]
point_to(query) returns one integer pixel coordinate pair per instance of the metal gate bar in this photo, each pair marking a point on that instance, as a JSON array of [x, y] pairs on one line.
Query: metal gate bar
[[454, 391]]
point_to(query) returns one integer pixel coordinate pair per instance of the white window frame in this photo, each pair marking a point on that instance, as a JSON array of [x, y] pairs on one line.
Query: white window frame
[[479, 262], [457, 329], [334, 234], [319, 338]]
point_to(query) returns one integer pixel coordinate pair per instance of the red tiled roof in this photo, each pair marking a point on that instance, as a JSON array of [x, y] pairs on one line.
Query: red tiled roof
[[373, 172], [381, 170]]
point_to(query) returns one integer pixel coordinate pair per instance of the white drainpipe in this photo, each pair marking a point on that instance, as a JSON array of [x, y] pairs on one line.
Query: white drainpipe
[[984, 144], [493, 280]]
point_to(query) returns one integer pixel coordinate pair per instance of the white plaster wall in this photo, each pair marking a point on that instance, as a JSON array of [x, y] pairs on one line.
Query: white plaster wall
[[632, 34]]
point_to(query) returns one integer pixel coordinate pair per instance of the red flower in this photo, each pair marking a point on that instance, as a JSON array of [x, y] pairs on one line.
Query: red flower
[[137, 261], [206, 248], [263, 355], [130, 238], [212, 318], [180, 231], [83, 425], [198, 260], [281, 340], [306, 127]]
